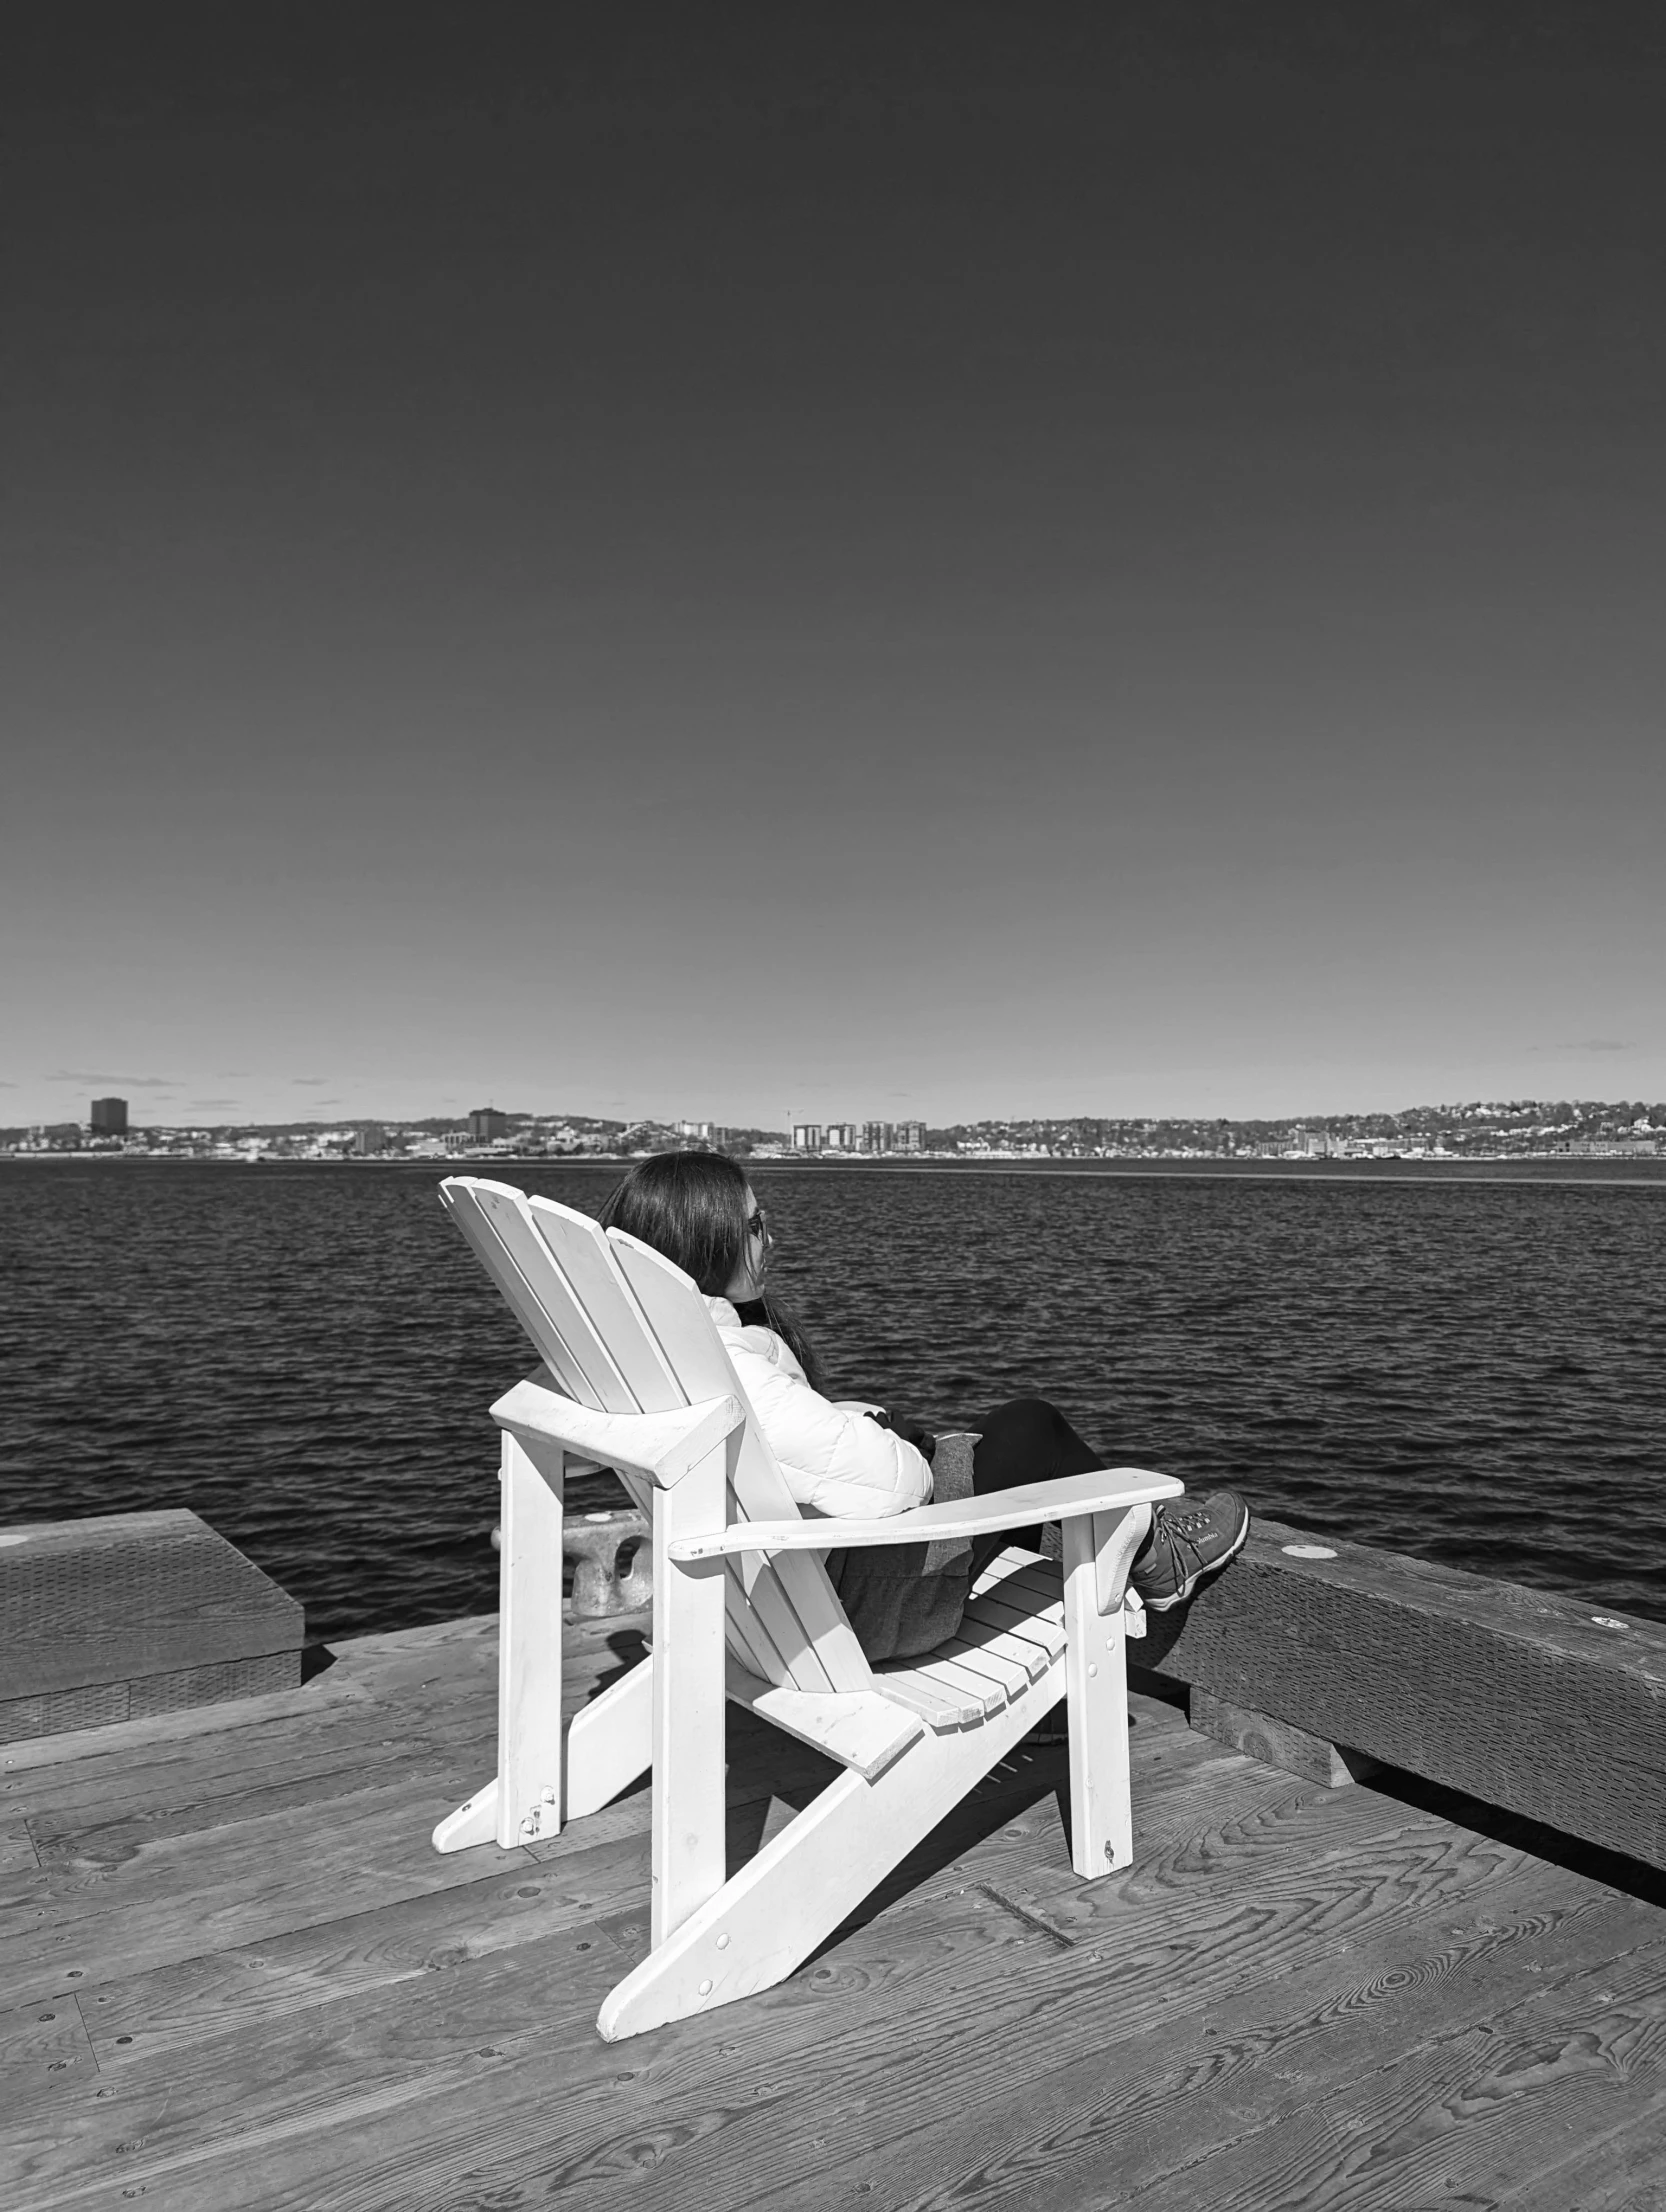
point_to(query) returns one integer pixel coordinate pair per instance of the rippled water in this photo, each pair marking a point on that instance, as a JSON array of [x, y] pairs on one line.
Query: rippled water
[[304, 1355]]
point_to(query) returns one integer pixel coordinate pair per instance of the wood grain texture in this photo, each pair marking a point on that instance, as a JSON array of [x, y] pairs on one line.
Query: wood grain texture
[[216, 2110], [1144, 2119], [1277, 1743], [17, 1848], [313, 2026], [28, 1768], [107, 1704], [239, 1883], [1512, 1695], [126, 1597], [1469, 2114], [43, 2044], [736, 2109]]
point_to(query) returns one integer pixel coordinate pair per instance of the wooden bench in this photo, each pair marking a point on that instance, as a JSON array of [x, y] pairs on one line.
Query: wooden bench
[[129, 1614], [1310, 1650]]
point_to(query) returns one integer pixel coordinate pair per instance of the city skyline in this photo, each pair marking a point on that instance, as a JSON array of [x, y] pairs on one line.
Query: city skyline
[[970, 563], [109, 1117]]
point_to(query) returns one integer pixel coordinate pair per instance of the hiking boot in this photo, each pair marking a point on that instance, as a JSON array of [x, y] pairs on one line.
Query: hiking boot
[[1187, 1542]]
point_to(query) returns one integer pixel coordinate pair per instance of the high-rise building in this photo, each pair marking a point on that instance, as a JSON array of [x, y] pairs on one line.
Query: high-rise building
[[840, 1136], [807, 1136], [369, 1137], [109, 1117], [486, 1125], [876, 1136], [909, 1136]]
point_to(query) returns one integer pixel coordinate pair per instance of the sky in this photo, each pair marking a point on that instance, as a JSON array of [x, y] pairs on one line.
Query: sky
[[823, 562]]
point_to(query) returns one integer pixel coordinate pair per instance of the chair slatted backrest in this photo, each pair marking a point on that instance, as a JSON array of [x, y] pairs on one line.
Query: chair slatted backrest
[[493, 1218], [568, 1324], [763, 1635], [796, 1581], [623, 1331]]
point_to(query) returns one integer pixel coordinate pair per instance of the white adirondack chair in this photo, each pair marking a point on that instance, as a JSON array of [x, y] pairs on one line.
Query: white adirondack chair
[[635, 1377]]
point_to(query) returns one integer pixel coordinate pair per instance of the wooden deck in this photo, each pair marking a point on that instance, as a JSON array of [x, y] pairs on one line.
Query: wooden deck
[[233, 1973]]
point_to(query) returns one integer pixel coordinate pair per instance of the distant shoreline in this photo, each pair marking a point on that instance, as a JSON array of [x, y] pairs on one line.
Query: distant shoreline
[[1641, 1174]]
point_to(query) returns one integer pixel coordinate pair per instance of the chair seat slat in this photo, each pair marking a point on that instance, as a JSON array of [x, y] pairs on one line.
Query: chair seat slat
[[977, 1644], [1042, 1635], [983, 1690], [940, 1706]]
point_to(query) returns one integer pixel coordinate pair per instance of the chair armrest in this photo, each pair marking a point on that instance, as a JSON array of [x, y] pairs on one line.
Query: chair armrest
[[1106, 1490], [662, 1447]]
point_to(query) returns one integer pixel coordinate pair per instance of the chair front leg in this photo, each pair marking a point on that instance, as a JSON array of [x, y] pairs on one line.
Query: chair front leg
[[1098, 1550], [690, 1699], [529, 1644]]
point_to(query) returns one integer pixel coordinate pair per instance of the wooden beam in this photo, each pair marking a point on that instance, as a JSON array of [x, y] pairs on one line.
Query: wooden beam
[[1543, 1704], [130, 1614], [1278, 1743]]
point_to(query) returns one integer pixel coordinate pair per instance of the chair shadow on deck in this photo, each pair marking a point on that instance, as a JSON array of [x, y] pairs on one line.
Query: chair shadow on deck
[[1028, 1776]]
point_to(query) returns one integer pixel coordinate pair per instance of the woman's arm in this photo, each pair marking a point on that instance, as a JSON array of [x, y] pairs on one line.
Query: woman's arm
[[834, 1456]]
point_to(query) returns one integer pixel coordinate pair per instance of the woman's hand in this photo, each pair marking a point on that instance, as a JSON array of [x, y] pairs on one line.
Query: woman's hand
[[923, 1441]]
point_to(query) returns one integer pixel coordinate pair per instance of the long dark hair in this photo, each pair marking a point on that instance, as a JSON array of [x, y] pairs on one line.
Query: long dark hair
[[692, 1207]]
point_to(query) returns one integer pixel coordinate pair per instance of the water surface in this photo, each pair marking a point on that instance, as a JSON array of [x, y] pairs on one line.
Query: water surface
[[1470, 1371]]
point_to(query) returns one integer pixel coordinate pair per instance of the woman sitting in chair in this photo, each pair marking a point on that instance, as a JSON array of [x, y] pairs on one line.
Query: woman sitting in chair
[[851, 1459]]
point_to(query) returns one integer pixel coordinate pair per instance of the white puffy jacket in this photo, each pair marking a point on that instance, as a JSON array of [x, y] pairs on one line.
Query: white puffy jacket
[[833, 1457]]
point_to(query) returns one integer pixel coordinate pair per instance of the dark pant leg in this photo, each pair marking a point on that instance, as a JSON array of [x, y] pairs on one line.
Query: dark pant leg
[[1025, 1440]]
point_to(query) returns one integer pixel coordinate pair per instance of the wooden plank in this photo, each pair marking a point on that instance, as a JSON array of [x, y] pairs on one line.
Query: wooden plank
[[248, 2091], [1109, 1491], [1621, 2170], [425, 1695], [1480, 2108], [597, 1869], [240, 1883], [271, 2118], [17, 1848], [1144, 2110], [90, 1609], [856, 1728], [1235, 1765], [991, 1615], [1062, 2013], [1279, 1743], [1518, 1697], [1266, 1923], [1017, 1657], [93, 1841], [721, 2103], [43, 2045], [229, 1747], [938, 1706], [110, 1704], [252, 1987], [977, 1693]]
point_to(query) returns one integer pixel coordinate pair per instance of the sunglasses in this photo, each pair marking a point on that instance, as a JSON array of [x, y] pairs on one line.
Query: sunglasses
[[756, 1226]]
